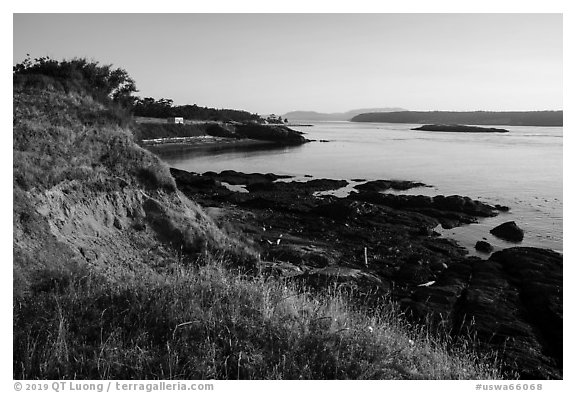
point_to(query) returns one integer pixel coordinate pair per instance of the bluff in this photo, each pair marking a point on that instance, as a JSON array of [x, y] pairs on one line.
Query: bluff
[[87, 197]]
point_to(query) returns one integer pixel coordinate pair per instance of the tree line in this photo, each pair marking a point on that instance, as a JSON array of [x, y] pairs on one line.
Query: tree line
[[149, 107], [112, 86]]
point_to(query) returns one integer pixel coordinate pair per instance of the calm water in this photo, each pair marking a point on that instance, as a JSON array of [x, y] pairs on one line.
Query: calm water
[[521, 169]]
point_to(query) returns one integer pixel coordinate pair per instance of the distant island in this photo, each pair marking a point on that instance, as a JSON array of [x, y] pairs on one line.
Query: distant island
[[340, 116], [533, 118], [457, 128]]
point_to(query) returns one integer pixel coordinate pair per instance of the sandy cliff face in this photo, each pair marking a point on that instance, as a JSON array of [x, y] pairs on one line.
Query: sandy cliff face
[[87, 198]]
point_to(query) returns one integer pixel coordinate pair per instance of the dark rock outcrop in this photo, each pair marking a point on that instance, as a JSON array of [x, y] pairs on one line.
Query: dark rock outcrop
[[450, 210], [195, 184], [298, 187], [508, 231], [239, 178], [383, 185], [513, 299], [338, 210], [273, 133], [484, 246], [537, 274]]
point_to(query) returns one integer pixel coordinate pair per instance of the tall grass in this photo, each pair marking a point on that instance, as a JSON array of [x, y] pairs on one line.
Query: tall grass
[[210, 322], [76, 137]]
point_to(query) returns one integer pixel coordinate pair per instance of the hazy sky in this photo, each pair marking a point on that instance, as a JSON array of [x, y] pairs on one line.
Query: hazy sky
[[275, 63]]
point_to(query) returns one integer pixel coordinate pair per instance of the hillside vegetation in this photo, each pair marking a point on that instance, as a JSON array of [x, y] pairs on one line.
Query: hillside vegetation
[[162, 108], [118, 275]]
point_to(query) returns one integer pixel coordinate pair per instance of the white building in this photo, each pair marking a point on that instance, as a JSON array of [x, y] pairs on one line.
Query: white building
[[176, 120]]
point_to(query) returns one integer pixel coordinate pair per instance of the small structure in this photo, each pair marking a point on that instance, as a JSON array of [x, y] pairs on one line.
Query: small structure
[[273, 119], [176, 120]]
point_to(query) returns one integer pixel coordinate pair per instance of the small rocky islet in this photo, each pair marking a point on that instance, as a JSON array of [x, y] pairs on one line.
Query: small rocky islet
[[385, 244], [459, 128]]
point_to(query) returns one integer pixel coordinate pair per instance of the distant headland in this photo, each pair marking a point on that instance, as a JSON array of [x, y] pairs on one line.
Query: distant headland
[[533, 118], [339, 116]]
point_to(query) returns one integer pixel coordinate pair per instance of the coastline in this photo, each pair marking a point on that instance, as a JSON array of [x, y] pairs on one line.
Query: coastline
[[386, 244], [165, 137], [123, 215], [467, 235]]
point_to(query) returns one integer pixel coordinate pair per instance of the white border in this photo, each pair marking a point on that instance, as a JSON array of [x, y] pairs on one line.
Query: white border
[[245, 6]]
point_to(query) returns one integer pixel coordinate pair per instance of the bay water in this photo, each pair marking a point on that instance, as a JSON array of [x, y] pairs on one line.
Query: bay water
[[521, 169]]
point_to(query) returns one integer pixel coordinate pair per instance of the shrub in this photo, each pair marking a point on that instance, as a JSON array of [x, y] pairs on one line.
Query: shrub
[[102, 81], [76, 137]]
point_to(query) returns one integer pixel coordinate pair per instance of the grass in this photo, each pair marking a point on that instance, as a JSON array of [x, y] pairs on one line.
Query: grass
[[60, 137], [209, 322]]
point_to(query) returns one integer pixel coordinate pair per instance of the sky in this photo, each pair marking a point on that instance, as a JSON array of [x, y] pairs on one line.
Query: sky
[[276, 63]]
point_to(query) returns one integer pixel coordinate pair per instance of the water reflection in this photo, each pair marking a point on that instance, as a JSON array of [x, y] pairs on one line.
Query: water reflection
[[224, 150]]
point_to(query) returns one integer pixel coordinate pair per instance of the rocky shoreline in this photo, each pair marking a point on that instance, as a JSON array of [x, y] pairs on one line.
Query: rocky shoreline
[[385, 245], [161, 138]]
